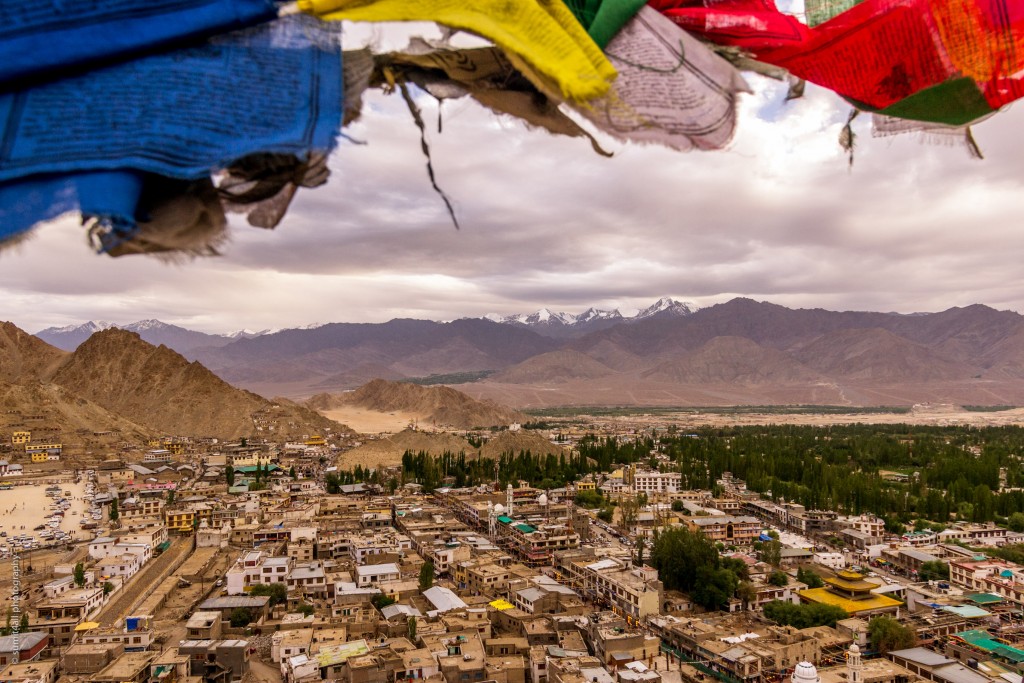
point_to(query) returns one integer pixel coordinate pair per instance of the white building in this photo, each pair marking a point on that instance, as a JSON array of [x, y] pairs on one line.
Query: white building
[[125, 566], [831, 560], [108, 546], [657, 482], [253, 567], [307, 579], [369, 574]]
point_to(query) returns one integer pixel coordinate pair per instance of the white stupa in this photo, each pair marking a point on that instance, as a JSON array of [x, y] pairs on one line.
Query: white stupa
[[542, 499], [805, 673], [854, 667]]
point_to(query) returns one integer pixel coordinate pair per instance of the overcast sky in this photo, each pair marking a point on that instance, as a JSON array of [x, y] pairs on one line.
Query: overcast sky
[[546, 222]]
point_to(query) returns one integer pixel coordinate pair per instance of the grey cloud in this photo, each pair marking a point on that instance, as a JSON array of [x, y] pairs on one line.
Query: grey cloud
[[546, 222]]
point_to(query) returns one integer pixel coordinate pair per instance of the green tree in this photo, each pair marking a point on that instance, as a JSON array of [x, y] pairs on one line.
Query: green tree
[[1016, 522], [640, 546], [894, 526], [229, 474], [606, 515], [677, 506], [964, 511], [426, 575], [23, 624], [6, 630], [746, 592], [333, 483], [305, 609], [114, 514], [678, 553], [291, 472], [589, 499], [107, 588], [804, 615], [278, 592], [934, 570], [240, 617], [809, 577], [170, 497], [380, 601], [887, 634], [714, 587], [628, 511], [79, 574], [412, 629], [778, 578], [771, 553]]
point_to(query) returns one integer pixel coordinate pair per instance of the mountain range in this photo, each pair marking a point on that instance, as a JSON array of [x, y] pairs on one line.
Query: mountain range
[[183, 339], [438, 406], [738, 352], [117, 384], [567, 325], [153, 331]]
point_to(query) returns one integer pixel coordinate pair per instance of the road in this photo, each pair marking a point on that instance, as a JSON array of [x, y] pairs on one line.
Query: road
[[143, 582]]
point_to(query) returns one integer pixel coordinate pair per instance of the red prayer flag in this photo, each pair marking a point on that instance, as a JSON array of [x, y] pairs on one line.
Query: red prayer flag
[[942, 60]]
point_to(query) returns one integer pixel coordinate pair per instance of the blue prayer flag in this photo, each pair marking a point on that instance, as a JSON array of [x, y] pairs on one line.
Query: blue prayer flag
[[54, 36], [184, 114]]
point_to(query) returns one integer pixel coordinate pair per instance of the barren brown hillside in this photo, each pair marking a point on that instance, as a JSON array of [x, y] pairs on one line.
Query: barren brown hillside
[[158, 388], [48, 409], [388, 451], [435, 405], [733, 360], [24, 356], [881, 356], [555, 366], [516, 442]]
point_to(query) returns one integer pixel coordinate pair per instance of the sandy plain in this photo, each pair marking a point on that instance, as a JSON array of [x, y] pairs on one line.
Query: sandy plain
[[370, 421], [937, 415], [374, 422]]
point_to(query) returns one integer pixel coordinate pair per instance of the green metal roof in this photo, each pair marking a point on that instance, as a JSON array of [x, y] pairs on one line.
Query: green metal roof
[[984, 598], [983, 640], [1011, 653], [504, 519], [979, 639], [249, 469], [525, 528]]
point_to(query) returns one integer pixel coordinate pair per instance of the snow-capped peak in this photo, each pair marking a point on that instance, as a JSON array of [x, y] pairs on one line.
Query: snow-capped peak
[[248, 334], [151, 324], [597, 314], [667, 305], [91, 326], [546, 316]]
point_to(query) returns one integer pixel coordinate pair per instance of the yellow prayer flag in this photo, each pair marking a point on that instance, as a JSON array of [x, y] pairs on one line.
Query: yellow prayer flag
[[543, 33]]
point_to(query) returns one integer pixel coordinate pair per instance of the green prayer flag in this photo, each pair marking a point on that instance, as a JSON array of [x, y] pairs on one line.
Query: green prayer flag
[[603, 18]]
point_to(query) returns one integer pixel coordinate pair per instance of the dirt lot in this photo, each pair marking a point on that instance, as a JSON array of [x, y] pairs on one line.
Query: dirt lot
[[370, 421], [41, 562], [170, 617]]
